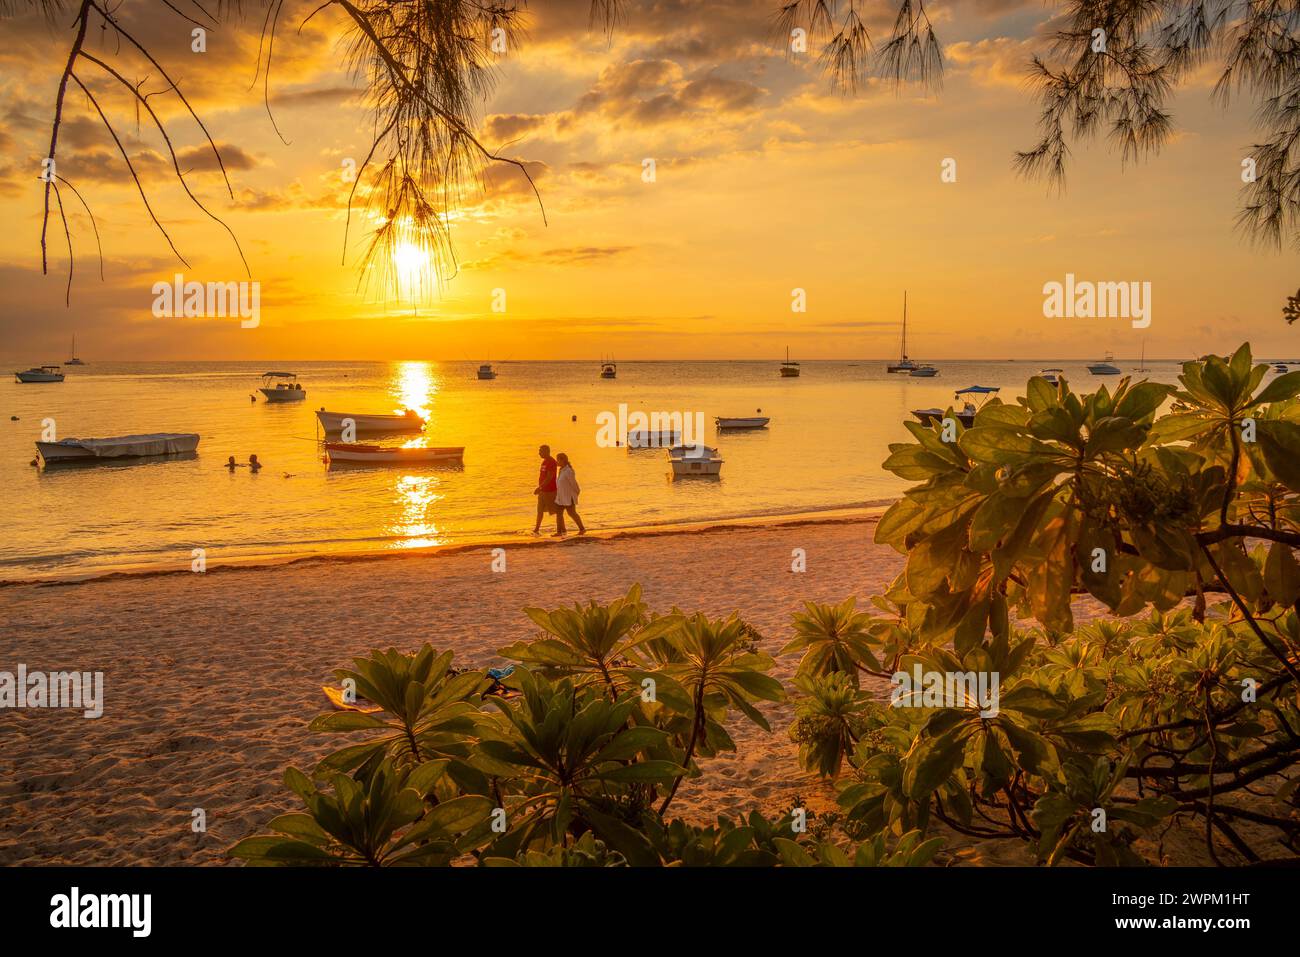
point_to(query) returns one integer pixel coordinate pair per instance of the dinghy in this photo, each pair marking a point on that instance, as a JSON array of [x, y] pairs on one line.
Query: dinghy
[[117, 447], [409, 421], [392, 455]]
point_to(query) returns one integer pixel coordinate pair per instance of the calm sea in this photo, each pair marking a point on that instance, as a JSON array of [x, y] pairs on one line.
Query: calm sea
[[829, 433]]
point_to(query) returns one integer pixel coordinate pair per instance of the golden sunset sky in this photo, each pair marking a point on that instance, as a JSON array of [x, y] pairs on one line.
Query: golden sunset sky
[[766, 181]]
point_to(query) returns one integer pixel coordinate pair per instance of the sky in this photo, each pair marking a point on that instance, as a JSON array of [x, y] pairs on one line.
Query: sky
[[766, 181]]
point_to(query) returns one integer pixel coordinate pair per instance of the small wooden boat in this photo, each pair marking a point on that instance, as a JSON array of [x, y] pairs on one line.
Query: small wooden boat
[[653, 439], [393, 455], [40, 374], [741, 423], [117, 447], [485, 371], [687, 460], [409, 421], [282, 387], [789, 370]]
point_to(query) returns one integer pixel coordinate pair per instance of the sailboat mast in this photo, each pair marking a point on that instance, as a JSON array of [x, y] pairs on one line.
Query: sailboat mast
[[905, 324]]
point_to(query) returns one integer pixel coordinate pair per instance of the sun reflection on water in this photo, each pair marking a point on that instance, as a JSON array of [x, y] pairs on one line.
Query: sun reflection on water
[[416, 496], [415, 387]]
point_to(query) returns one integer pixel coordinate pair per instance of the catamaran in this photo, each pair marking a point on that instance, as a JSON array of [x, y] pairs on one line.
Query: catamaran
[[609, 369], [74, 361], [904, 364]]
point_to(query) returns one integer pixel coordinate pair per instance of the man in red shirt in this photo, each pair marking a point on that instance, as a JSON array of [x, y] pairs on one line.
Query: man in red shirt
[[545, 490]]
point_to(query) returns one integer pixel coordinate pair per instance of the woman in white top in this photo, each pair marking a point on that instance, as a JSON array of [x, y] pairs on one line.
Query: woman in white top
[[566, 495]]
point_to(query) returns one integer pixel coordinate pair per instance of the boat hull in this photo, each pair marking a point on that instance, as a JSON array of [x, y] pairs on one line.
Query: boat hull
[[929, 416], [1103, 368], [741, 424], [117, 448], [284, 395], [378, 455], [334, 422], [39, 376]]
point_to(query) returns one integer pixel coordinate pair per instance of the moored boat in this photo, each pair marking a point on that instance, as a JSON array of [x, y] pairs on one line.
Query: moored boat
[[689, 460], [966, 415], [609, 369], [1052, 376], [924, 372], [653, 439], [393, 455], [282, 387], [74, 361], [789, 370], [742, 423], [409, 421], [485, 371], [1105, 366], [904, 364], [117, 447], [40, 374]]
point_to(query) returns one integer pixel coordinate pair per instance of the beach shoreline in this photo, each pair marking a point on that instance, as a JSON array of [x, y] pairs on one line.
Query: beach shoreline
[[828, 515]]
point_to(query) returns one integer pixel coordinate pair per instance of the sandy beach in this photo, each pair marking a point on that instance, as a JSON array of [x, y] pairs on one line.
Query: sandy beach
[[210, 680]]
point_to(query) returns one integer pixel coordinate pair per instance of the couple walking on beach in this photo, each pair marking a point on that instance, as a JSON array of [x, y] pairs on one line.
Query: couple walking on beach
[[557, 491]]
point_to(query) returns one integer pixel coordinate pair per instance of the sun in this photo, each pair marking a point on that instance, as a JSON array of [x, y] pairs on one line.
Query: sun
[[412, 270]]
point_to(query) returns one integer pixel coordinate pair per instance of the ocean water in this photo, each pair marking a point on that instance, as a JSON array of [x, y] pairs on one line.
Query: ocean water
[[830, 431]]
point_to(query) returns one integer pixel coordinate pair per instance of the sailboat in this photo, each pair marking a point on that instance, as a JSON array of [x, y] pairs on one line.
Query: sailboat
[[1142, 363], [904, 364], [789, 370], [74, 361]]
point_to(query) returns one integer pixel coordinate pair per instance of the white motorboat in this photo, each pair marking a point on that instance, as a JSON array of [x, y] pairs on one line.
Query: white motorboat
[[743, 423], [653, 439], [74, 361], [609, 370], [282, 387], [1105, 366], [924, 372], [409, 421], [789, 370], [40, 374], [689, 460], [391, 455], [1052, 376], [117, 447], [904, 364], [966, 415], [485, 371]]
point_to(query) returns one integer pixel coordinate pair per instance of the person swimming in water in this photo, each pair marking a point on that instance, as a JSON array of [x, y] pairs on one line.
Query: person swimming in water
[[231, 464], [253, 463]]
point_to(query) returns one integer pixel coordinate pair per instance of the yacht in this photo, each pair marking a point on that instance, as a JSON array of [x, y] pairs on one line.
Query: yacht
[[904, 364], [74, 361], [485, 371], [40, 374], [609, 369], [924, 372], [1105, 367]]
